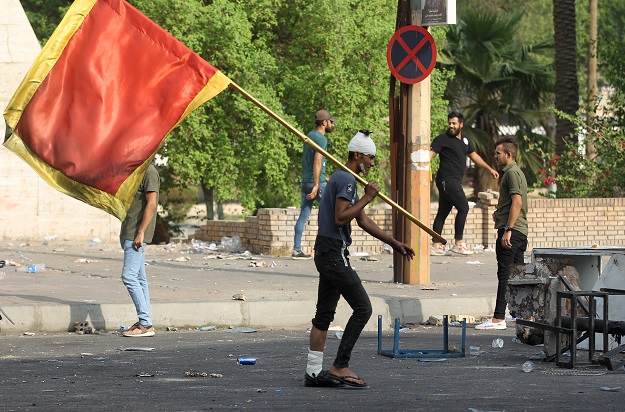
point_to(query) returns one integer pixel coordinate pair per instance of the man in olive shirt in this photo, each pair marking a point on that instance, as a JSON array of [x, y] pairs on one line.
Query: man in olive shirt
[[511, 223], [137, 230]]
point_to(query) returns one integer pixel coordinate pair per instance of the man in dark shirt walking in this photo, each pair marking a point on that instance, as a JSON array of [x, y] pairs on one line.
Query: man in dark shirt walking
[[453, 149], [339, 206]]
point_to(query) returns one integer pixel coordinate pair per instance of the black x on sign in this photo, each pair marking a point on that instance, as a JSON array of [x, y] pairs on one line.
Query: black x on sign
[[411, 54]]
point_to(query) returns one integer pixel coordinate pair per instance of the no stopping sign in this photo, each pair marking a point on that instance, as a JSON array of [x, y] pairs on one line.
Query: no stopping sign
[[411, 54]]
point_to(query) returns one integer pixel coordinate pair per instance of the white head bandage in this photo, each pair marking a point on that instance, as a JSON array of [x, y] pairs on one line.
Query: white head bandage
[[362, 143]]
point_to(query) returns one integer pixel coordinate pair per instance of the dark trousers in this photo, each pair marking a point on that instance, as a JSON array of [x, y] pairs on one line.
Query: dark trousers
[[451, 194], [336, 279], [505, 259]]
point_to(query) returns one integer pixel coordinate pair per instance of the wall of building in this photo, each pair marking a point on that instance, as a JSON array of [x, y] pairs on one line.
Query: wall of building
[[552, 223]]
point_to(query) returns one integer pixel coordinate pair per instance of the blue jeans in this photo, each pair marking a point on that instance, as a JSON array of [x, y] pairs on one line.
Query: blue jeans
[[336, 279], [135, 280], [305, 211]]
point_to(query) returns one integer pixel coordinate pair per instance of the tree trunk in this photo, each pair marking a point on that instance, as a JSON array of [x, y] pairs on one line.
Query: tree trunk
[[208, 201], [567, 86], [591, 152]]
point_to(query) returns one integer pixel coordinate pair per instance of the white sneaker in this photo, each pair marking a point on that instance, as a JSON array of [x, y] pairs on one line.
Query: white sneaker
[[490, 325], [461, 250], [434, 251]]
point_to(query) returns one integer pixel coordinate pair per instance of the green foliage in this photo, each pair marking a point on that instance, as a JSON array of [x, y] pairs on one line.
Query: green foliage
[[228, 143], [579, 176], [179, 201], [536, 23], [612, 65], [333, 56]]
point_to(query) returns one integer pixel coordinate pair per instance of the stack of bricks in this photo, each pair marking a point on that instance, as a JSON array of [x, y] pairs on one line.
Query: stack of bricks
[[552, 223]]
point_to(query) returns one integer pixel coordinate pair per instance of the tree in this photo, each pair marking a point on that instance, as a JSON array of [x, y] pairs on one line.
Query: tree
[[333, 56], [228, 144], [498, 81], [536, 23], [567, 85], [583, 176]]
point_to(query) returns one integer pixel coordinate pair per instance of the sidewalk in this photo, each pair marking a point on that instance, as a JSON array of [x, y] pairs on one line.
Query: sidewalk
[[192, 286]]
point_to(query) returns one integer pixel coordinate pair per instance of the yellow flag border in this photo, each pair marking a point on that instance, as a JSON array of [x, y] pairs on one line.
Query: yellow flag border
[[64, 184]]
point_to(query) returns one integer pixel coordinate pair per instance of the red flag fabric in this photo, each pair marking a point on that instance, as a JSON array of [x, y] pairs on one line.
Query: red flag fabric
[[100, 99]]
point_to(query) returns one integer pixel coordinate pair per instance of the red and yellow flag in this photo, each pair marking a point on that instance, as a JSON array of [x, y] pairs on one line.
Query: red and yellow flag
[[100, 98]]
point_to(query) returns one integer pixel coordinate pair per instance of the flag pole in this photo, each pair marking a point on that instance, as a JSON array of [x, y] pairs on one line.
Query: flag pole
[[318, 148]]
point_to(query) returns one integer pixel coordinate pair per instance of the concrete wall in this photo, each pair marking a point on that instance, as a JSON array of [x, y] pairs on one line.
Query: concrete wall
[[29, 207], [552, 223]]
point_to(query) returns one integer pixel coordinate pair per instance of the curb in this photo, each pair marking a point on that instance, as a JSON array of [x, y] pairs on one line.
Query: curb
[[293, 314]]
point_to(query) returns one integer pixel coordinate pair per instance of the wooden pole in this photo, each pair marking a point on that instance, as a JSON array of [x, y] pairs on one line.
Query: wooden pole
[[318, 148], [417, 181]]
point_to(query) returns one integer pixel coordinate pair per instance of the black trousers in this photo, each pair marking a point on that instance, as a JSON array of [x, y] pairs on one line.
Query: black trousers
[[505, 259], [336, 279], [451, 194]]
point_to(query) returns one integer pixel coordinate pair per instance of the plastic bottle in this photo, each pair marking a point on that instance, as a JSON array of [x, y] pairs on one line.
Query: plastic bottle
[[474, 351], [528, 367], [497, 343], [40, 267]]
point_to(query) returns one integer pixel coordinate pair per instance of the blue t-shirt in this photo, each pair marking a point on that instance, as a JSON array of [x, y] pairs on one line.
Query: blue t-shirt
[[308, 158], [331, 237]]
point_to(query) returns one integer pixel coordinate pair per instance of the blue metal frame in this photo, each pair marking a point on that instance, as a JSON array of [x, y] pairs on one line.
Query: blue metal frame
[[422, 353]]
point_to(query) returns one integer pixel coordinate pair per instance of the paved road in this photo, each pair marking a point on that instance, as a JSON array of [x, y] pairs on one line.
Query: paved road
[[72, 372]]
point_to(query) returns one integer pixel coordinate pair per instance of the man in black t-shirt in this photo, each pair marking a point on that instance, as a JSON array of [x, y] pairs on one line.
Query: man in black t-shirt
[[453, 149], [340, 205]]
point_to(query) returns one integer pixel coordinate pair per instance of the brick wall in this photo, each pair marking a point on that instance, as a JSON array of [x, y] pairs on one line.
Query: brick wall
[[552, 223]]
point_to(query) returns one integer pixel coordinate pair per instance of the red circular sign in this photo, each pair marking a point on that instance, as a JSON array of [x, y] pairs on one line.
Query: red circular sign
[[411, 54]]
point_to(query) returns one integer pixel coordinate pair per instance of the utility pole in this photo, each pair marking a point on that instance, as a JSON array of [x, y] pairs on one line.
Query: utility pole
[[417, 181], [418, 270], [411, 56]]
